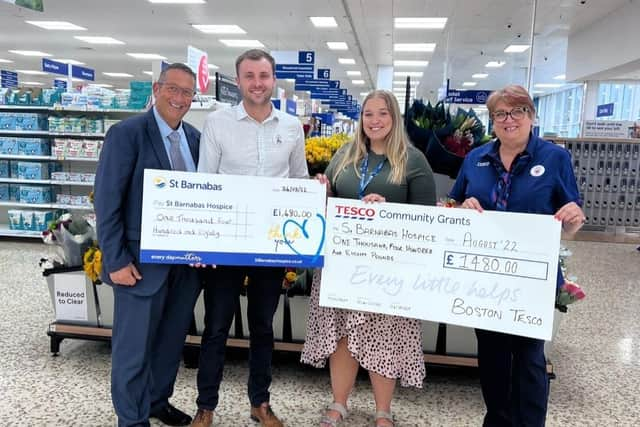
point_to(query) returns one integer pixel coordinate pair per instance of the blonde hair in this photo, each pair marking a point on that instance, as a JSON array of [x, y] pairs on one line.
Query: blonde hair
[[513, 96], [396, 141]]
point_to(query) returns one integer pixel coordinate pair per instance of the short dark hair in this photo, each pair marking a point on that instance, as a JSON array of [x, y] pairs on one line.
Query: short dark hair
[[256, 55], [177, 66]]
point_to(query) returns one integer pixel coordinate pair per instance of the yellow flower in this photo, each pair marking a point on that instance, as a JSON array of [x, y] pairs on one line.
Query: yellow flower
[[92, 263]]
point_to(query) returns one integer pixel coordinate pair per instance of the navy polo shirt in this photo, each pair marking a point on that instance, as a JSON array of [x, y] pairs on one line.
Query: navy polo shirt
[[541, 182]]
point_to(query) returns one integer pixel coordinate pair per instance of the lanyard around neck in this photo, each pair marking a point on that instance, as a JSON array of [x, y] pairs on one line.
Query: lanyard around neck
[[366, 179]]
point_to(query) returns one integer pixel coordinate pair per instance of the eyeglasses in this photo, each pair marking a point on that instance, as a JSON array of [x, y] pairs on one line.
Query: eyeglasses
[[175, 90], [517, 113]]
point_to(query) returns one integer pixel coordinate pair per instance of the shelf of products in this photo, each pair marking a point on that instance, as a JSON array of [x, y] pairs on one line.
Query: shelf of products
[[48, 158]]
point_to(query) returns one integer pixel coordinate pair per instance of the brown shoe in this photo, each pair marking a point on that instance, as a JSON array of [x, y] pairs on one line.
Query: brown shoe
[[203, 418], [265, 416]]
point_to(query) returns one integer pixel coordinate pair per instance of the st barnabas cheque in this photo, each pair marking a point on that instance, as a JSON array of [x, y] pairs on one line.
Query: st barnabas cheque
[[490, 270]]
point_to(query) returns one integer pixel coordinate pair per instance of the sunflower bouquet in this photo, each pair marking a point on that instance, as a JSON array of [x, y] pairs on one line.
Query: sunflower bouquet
[[73, 235]]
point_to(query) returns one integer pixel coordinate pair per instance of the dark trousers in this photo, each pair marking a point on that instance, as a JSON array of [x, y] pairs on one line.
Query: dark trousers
[[221, 291], [147, 341], [514, 379]]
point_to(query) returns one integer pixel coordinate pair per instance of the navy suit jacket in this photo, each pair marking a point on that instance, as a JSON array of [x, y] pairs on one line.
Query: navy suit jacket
[[130, 147]]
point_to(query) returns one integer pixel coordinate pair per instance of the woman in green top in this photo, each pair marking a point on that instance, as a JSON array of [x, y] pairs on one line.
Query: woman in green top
[[378, 166]]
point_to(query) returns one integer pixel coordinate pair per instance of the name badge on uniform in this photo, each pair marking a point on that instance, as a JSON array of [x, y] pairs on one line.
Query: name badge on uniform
[[482, 164], [537, 170]]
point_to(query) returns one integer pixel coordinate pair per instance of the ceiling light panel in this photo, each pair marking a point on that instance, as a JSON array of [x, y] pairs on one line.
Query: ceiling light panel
[[98, 40], [337, 46], [69, 61], [420, 23], [469, 84], [560, 77], [495, 64], [150, 56], [357, 82], [178, 1], [347, 61], [117, 74], [408, 73], [410, 63], [32, 83], [353, 73], [241, 43], [323, 21], [479, 76], [212, 66], [516, 48], [548, 85], [414, 47], [57, 25], [32, 72], [219, 29], [5, 61], [30, 53]]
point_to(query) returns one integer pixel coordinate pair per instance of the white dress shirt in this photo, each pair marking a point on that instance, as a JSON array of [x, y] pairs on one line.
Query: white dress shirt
[[234, 143]]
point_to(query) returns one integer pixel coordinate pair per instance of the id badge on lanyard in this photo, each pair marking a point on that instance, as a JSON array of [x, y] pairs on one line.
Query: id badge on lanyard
[[366, 179]]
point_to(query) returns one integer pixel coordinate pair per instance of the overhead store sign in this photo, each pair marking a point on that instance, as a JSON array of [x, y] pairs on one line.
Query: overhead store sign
[[60, 84], [29, 4], [294, 71], [8, 78], [467, 96], [61, 68], [605, 110], [197, 60], [324, 73], [292, 64]]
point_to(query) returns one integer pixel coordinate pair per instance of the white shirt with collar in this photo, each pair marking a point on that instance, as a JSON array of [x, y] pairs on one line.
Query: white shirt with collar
[[232, 142]]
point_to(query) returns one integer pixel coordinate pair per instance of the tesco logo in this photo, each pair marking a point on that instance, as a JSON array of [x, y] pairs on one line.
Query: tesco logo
[[355, 212]]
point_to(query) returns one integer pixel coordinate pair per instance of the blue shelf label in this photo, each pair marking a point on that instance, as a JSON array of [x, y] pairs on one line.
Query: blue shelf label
[[55, 67], [605, 110]]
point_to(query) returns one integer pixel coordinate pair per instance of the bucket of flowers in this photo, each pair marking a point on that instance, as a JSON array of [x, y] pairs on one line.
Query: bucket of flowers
[[444, 138], [73, 235], [320, 149]]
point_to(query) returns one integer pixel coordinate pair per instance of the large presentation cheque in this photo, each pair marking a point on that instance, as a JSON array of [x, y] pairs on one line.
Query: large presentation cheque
[[231, 220], [489, 270]]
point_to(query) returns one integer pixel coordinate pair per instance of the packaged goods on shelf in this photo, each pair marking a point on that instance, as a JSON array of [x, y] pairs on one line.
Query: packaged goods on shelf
[[20, 219], [33, 146], [4, 192], [60, 176], [14, 191], [108, 123], [31, 121], [35, 194], [8, 145], [139, 95], [8, 121], [77, 99], [33, 170], [4, 169], [13, 169]]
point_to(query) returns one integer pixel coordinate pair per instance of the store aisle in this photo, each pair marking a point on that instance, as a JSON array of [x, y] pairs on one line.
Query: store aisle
[[596, 357]]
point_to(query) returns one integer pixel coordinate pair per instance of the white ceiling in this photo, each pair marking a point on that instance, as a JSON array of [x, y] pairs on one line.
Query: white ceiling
[[477, 31]]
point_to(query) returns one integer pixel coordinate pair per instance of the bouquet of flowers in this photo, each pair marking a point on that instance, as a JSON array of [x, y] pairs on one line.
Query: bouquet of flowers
[[73, 235], [444, 138], [320, 149], [570, 291]]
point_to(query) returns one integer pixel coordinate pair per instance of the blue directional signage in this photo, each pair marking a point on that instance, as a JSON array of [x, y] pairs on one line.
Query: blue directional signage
[[8, 78], [55, 67], [324, 73], [60, 84], [83, 73], [467, 96], [306, 57], [605, 110], [294, 71], [291, 106]]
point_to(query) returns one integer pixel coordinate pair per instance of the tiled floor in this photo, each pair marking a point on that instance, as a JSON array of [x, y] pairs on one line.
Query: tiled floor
[[596, 357]]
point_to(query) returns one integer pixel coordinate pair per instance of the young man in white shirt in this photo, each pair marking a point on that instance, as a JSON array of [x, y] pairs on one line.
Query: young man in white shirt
[[251, 138]]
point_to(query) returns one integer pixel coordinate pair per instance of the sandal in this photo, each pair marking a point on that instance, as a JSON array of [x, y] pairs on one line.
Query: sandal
[[334, 422], [382, 415]]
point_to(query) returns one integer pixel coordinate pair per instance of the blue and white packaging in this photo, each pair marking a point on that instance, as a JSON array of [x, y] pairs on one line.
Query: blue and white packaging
[[33, 170], [35, 194], [34, 147], [4, 192], [31, 121], [8, 145], [8, 121], [14, 192], [4, 169], [15, 219]]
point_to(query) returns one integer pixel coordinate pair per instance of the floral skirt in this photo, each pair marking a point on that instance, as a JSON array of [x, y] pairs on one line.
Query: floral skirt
[[387, 345]]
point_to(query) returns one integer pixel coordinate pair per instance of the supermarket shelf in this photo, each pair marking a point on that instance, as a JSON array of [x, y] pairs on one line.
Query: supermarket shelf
[[57, 158], [24, 157], [61, 109], [17, 132], [45, 181], [25, 181], [47, 206], [5, 231]]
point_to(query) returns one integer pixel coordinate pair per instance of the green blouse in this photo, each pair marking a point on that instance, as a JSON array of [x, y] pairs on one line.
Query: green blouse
[[417, 186]]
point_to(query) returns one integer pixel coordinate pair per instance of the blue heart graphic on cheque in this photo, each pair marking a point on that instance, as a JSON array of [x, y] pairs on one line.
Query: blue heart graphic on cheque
[[305, 233]]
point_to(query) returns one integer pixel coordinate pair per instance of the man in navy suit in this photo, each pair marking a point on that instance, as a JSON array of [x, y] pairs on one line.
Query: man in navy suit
[[153, 303]]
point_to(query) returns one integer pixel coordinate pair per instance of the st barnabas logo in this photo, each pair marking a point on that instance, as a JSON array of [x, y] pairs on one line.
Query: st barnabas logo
[[159, 182]]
